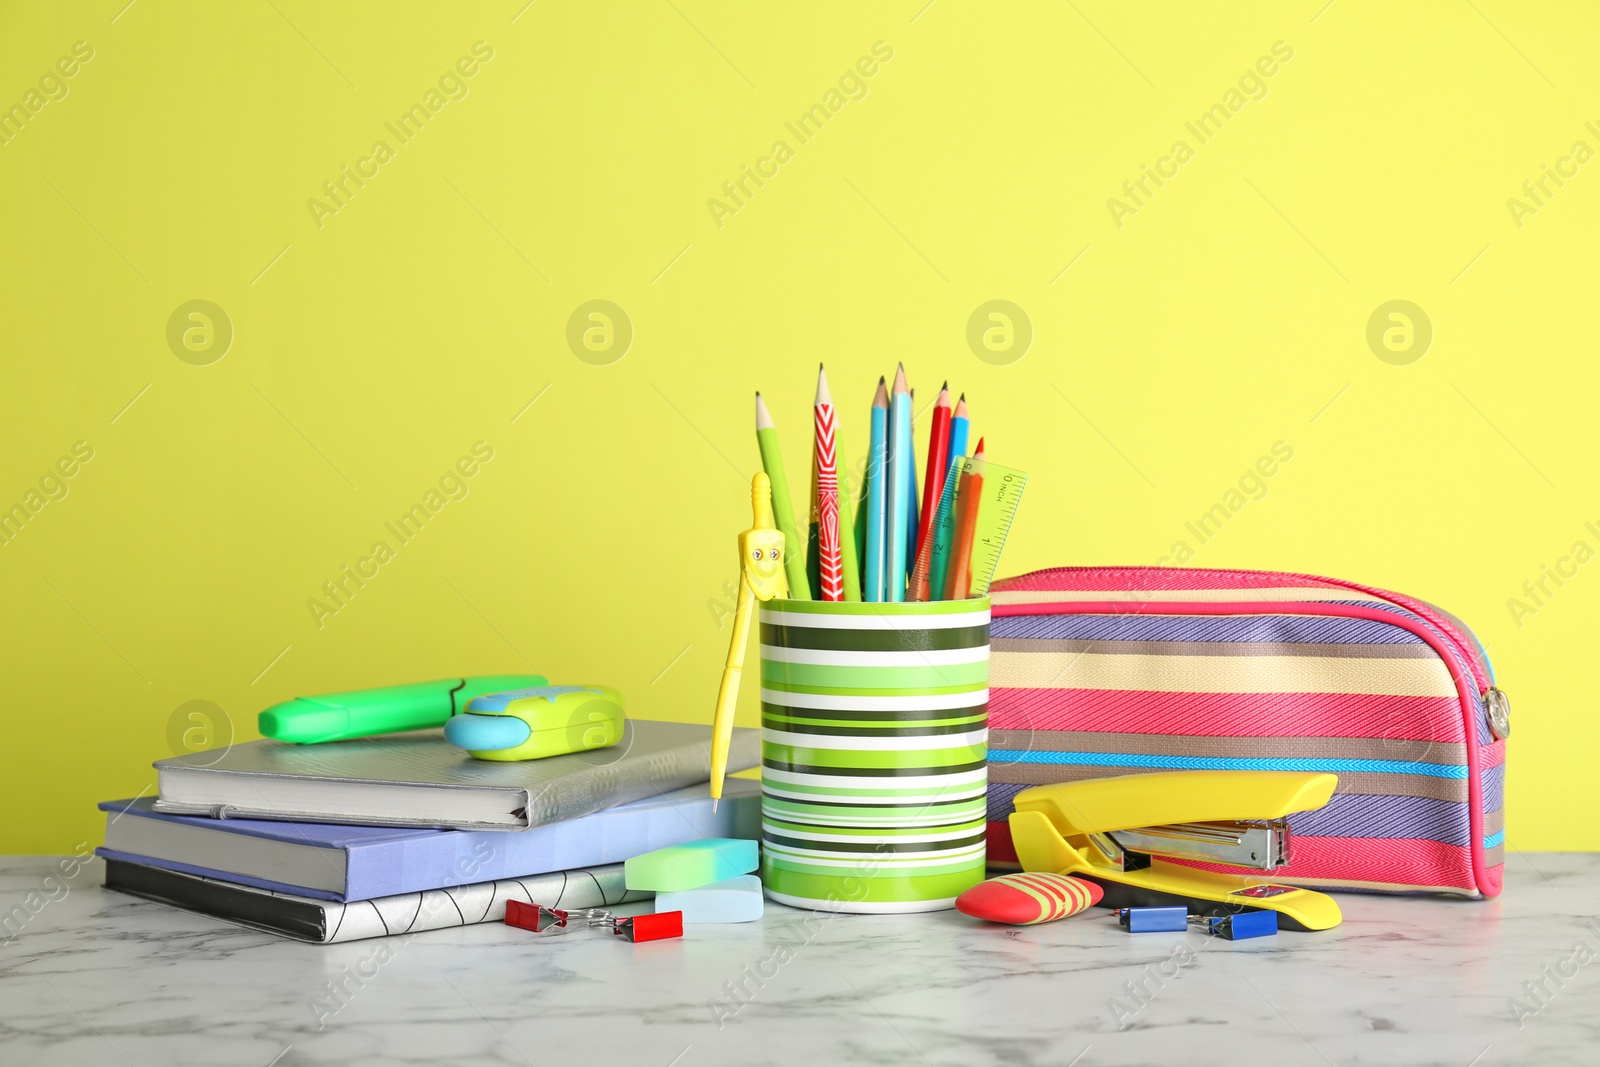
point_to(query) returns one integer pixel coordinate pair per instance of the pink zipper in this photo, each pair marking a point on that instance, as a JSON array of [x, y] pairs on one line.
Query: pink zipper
[[1463, 643]]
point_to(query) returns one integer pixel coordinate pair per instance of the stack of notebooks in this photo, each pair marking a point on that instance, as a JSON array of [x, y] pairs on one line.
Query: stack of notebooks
[[389, 835]]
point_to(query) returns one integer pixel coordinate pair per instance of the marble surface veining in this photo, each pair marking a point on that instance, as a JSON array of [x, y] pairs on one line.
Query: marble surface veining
[[93, 977]]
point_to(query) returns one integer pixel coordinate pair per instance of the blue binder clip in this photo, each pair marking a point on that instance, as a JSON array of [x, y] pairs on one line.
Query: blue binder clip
[[1152, 920], [1240, 926]]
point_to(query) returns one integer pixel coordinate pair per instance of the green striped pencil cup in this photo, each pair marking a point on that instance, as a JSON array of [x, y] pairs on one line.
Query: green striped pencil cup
[[874, 745]]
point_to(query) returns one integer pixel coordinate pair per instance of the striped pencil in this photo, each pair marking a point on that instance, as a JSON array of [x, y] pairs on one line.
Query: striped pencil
[[830, 563]]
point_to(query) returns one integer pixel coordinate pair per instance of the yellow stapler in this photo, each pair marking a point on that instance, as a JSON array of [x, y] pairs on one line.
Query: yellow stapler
[[1118, 832]]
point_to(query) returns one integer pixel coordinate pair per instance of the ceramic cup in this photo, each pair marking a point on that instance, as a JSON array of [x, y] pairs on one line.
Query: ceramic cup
[[874, 744]]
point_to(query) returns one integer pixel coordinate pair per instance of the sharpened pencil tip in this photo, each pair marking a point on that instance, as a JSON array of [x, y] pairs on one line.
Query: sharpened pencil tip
[[714, 806]]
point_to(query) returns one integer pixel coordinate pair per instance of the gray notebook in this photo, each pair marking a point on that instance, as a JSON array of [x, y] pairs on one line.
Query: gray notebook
[[419, 779]]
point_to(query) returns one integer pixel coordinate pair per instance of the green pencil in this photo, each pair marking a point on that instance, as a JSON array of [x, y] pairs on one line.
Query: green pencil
[[861, 532], [794, 556], [847, 537]]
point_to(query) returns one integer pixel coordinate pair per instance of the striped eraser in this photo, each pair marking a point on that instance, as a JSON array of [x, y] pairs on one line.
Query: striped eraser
[[1025, 899]]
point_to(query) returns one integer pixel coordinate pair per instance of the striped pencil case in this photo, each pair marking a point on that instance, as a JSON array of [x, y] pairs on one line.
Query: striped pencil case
[[1100, 671]]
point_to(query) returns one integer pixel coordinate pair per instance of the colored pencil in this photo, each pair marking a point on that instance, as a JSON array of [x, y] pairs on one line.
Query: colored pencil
[[943, 533], [959, 584], [848, 551], [860, 538], [847, 542], [830, 559], [794, 560], [813, 548], [938, 460], [913, 524], [901, 462], [959, 424], [877, 497]]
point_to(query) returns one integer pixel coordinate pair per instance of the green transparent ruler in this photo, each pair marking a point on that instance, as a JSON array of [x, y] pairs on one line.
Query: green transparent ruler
[[998, 494]]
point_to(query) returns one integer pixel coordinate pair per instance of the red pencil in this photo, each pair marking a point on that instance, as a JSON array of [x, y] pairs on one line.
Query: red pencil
[[829, 559], [938, 445], [959, 585]]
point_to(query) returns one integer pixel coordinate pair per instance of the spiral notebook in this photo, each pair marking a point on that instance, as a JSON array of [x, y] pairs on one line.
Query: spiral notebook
[[325, 922]]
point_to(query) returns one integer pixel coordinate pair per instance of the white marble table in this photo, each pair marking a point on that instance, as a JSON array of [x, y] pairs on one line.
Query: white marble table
[[98, 978]]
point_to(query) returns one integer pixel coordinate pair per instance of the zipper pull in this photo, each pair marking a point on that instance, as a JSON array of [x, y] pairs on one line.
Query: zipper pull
[[1498, 708]]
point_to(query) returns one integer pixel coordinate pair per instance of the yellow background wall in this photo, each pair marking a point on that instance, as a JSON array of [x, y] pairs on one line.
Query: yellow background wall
[[373, 346]]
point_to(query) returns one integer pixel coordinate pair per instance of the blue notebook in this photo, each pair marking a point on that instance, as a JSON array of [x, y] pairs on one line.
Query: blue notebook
[[329, 862]]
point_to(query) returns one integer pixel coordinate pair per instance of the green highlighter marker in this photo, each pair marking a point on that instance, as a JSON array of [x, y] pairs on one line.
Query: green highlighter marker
[[390, 709]]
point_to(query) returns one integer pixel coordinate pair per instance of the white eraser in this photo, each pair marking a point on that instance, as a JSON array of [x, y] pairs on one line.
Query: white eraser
[[735, 900]]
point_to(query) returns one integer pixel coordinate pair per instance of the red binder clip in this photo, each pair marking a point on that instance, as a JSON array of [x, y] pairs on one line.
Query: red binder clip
[[657, 927], [543, 920], [535, 917]]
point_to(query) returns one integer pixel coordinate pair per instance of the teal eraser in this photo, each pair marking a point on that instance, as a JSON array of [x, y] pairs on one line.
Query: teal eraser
[[735, 900], [668, 870]]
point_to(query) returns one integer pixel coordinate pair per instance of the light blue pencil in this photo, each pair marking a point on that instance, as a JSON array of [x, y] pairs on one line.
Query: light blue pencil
[[914, 495], [901, 461], [877, 496], [959, 425]]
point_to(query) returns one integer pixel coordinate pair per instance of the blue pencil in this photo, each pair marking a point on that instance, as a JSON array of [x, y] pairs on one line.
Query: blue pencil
[[959, 425], [901, 462], [914, 501], [877, 496]]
